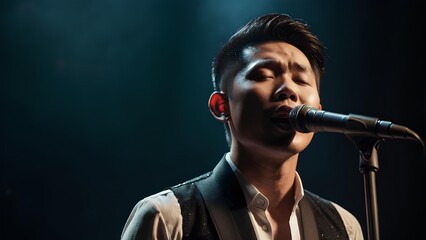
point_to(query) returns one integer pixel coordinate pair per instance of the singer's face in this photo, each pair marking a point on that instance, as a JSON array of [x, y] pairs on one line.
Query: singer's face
[[275, 78]]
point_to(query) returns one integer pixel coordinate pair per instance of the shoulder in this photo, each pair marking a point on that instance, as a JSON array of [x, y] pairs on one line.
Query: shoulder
[[192, 181], [187, 192], [350, 222], [163, 203], [156, 216], [353, 228]]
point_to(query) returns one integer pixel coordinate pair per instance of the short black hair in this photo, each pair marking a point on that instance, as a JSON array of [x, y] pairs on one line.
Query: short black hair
[[269, 27]]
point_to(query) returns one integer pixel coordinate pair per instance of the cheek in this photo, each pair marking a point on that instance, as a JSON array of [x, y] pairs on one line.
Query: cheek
[[250, 94], [311, 98], [248, 105], [247, 102]]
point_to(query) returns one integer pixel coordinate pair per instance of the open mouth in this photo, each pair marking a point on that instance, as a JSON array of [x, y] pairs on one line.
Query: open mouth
[[280, 117], [282, 122]]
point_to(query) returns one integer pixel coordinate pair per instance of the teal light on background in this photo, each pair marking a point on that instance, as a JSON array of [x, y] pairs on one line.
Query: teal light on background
[[105, 102]]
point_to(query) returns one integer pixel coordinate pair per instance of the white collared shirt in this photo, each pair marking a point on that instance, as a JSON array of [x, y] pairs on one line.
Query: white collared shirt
[[257, 204]]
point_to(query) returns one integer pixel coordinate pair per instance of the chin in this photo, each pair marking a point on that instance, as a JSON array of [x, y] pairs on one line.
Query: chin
[[300, 142], [286, 145]]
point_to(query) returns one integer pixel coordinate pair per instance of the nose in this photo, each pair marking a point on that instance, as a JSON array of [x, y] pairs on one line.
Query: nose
[[284, 91]]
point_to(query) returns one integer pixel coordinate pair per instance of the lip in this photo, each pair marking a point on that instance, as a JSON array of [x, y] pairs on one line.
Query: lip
[[281, 112], [279, 117]]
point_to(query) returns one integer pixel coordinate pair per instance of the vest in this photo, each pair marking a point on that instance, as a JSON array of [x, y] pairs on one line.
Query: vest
[[198, 223]]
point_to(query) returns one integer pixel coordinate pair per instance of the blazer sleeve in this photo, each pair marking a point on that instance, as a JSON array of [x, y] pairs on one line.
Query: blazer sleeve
[[157, 217]]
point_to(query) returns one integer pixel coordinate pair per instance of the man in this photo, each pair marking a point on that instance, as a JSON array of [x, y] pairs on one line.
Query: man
[[267, 68]]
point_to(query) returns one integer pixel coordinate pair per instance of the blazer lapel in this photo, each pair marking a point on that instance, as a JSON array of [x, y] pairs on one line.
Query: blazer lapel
[[234, 196]]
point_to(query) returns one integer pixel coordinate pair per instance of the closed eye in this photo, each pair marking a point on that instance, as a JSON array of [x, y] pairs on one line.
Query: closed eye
[[301, 81], [261, 74]]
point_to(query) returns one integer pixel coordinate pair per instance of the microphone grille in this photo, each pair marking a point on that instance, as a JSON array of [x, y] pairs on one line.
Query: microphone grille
[[297, 118]]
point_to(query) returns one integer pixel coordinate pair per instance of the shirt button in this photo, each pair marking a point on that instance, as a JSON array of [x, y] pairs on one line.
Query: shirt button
[[260, 202], [265, 228]]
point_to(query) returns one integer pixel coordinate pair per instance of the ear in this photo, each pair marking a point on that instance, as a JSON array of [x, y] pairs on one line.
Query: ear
[[218, 107]]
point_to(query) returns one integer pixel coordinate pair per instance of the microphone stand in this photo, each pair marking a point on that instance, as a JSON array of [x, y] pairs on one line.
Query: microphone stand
[[368, 166]]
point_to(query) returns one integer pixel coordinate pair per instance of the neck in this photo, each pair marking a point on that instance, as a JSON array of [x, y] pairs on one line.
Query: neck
[[272, 176]]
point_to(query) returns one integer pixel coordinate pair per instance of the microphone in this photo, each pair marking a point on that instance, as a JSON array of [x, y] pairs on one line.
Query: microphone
[[304, 118]]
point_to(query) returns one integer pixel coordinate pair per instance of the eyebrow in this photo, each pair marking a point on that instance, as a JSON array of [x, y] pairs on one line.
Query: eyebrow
[[279, 66], [300, 67]]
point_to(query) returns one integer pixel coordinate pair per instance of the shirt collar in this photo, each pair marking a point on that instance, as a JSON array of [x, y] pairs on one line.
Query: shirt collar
[[253, 196]]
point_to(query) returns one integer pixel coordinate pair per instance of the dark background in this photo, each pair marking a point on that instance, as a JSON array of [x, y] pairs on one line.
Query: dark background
[[105, 102]]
